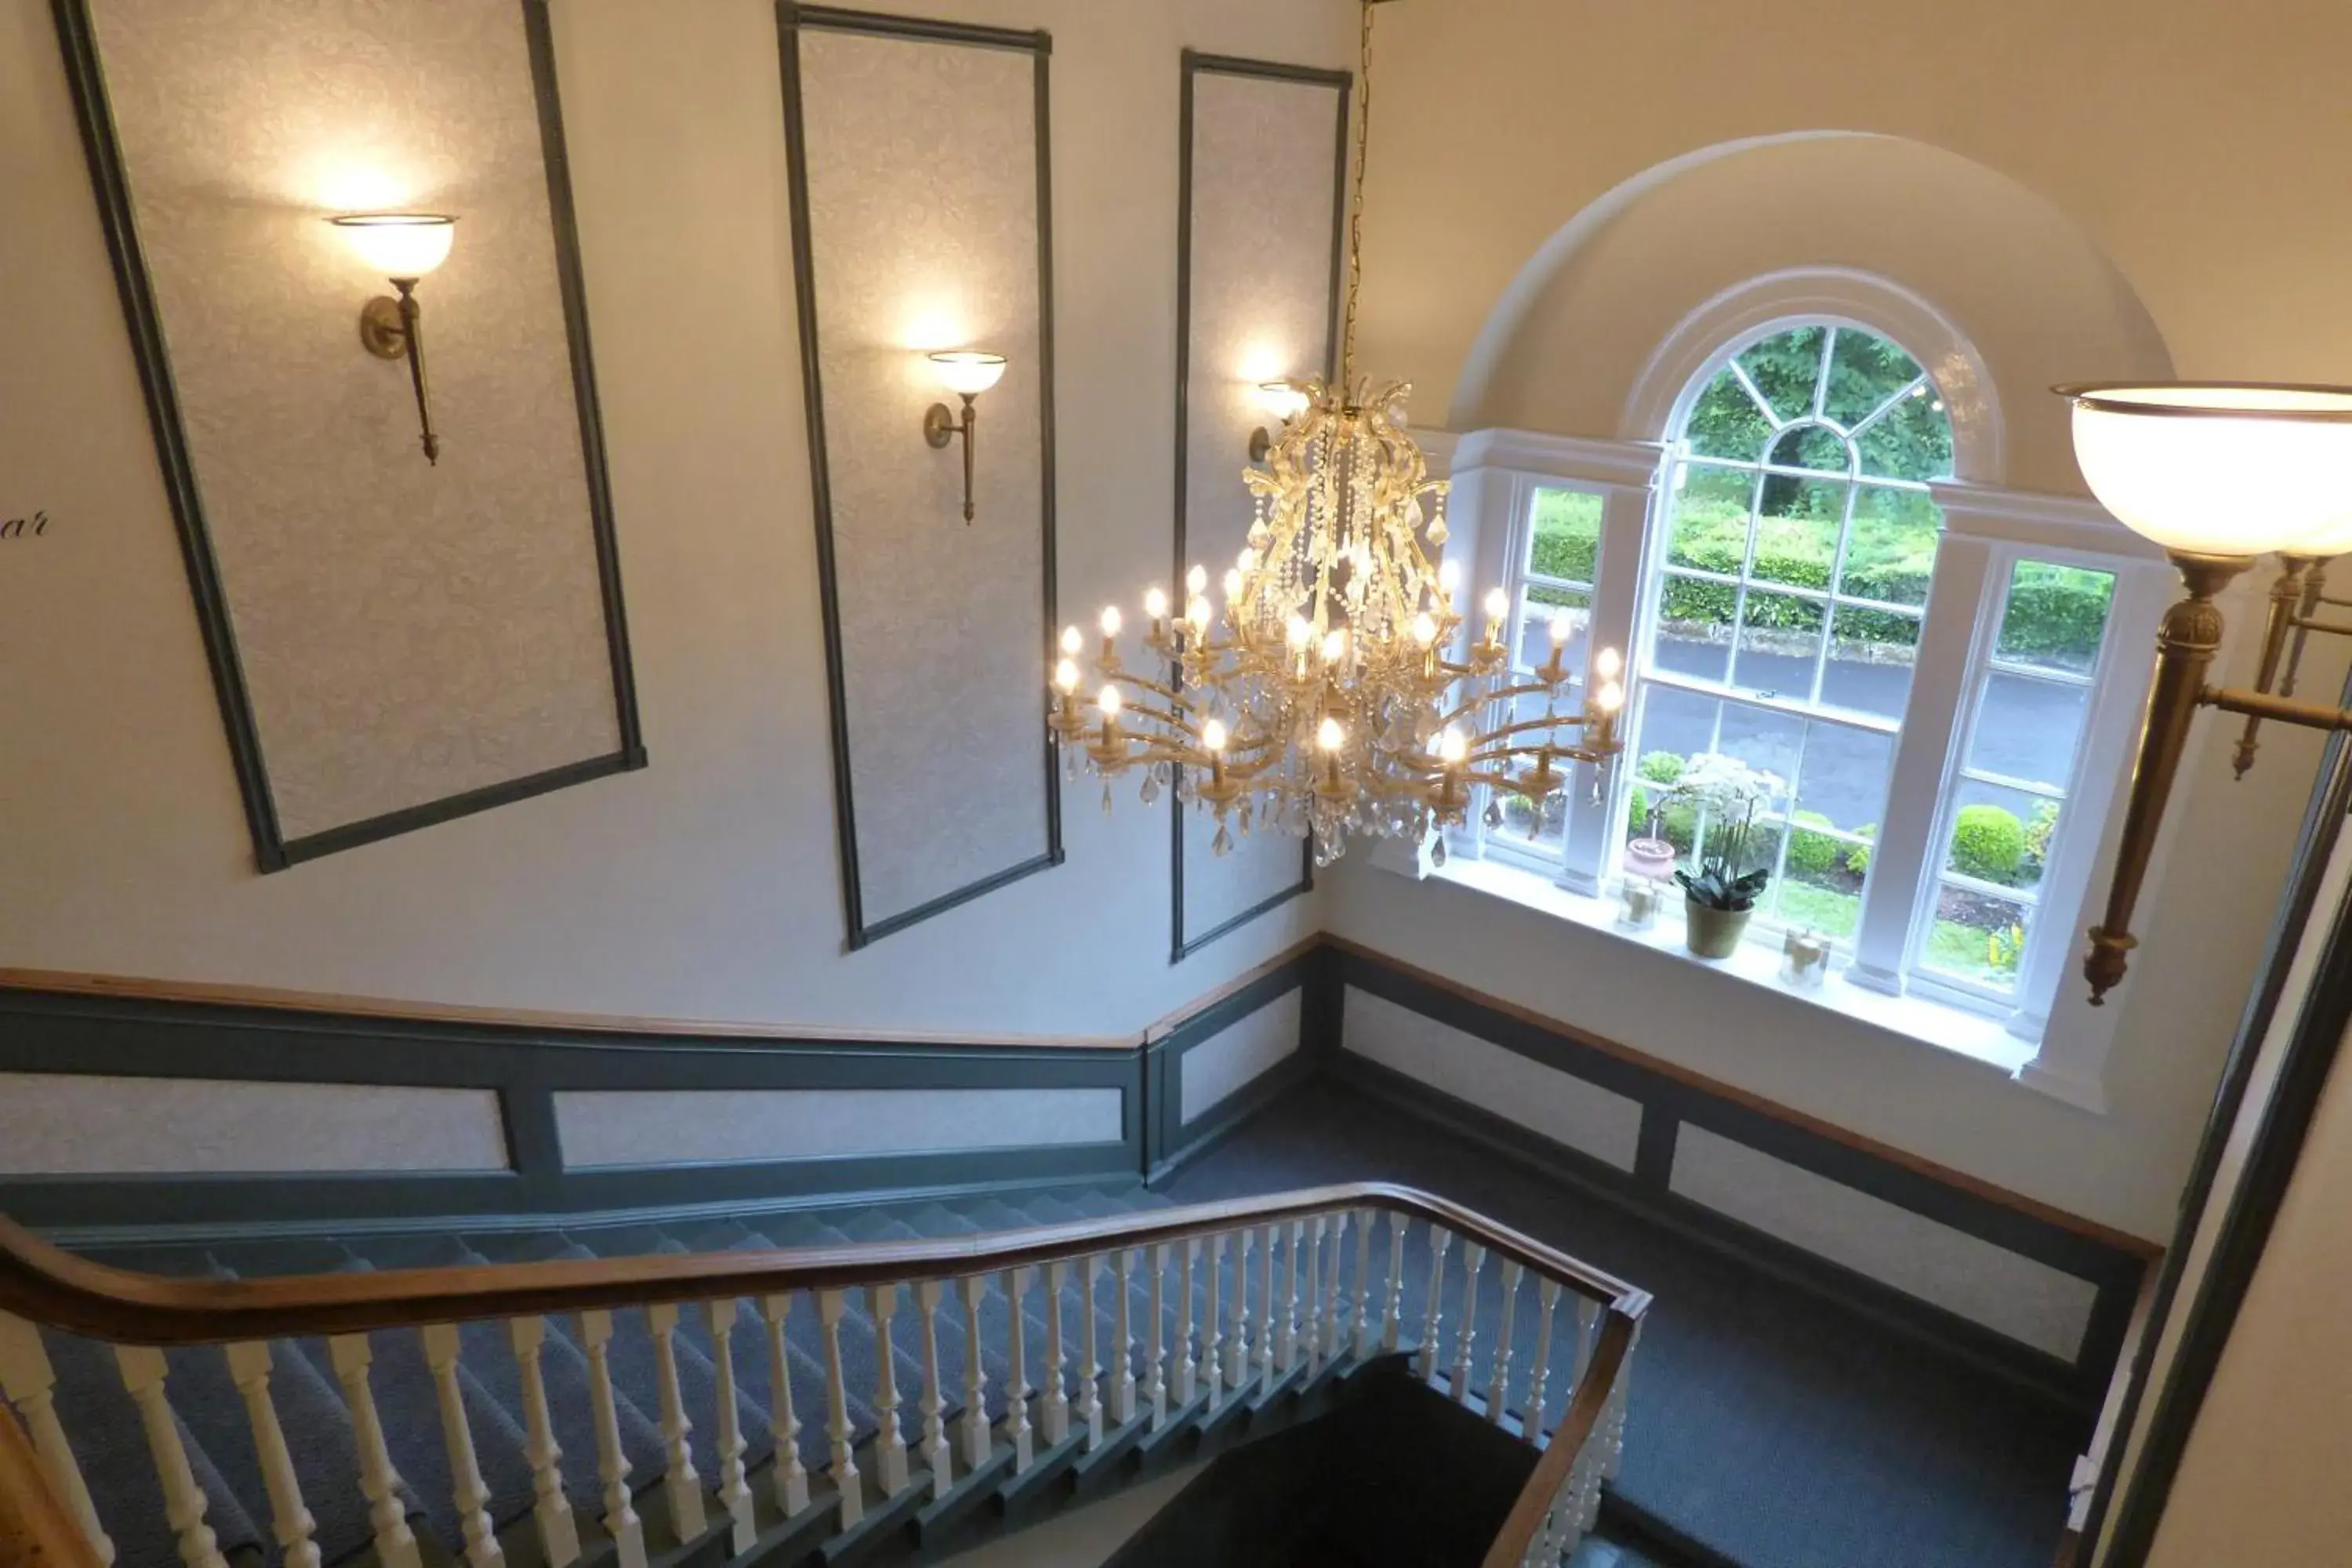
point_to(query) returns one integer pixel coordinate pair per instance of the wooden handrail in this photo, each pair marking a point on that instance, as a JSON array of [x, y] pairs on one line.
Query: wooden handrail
[[36, 1530], [1567, 1440], [45, 1284]]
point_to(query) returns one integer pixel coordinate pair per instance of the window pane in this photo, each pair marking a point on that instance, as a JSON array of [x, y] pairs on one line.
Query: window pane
[[1814, 447], [1865, 371], [1566, 538], [1694, 628], [1779, 635], [1843, 785], [2055, 617], [1771, 742], [1819, 886], [1798, 521], [1521, 831], [1710, 527], [1786, 367], [1871, 655], [1912, 440], [1725, 422], [1892, 552], [2026, 729], [1999, 835], [1977, 937], [1534, 628]]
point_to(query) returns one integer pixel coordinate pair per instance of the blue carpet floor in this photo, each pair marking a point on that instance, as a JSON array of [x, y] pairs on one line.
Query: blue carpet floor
[[1766, 1423]]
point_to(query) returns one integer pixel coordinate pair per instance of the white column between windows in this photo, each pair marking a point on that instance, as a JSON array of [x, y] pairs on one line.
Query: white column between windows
[[1617, 576]]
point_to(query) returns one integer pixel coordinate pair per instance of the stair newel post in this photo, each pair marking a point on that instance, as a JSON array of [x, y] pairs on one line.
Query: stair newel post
[[1155, 1350], [248, 1368], [929, 1294], [1089, 1355], [1237, 1347], [681, 1485], [1055, 1409], [1122, 1378], [1362, 1325], [29, 1381], [1016, 1373], [1432, 1321], [973, 1287], [1393, 1299], [791, 1474], [1187, 1371], [1474, 1258], [551, 1510], [142, 1368], [1531, 1417], [734, 1491], [1498, 1383], [1266, 1335], [621, 1521], [889, 1440], [395, 1544], [1587, 1322], [473, 1493], [847, 1484], [1327, 1338]]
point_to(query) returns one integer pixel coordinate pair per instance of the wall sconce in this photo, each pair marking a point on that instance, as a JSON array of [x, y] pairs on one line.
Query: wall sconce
[[2218, 474], [1281, 401], [966, 374], [403, 248]]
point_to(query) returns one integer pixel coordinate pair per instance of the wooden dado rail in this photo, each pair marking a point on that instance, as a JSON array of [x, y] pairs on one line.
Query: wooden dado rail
[[1256, 1342]]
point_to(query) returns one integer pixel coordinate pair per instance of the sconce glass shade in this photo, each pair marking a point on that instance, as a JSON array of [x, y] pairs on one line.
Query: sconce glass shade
[[1281, 399], [2219, 468], [966, 373], [399, 245]]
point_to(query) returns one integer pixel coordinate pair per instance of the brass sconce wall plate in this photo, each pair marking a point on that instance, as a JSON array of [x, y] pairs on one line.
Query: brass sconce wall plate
[[404, 247], [967, 372], [1284, 401]]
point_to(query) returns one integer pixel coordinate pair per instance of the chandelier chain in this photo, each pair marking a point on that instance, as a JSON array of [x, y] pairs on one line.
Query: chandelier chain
[[1356, 199]]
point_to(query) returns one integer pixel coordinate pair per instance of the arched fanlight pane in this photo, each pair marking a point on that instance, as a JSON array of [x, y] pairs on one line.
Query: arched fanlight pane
[[1814, 447], [1866, 374], [1787, 369], [1725, 422], [1912, 440]]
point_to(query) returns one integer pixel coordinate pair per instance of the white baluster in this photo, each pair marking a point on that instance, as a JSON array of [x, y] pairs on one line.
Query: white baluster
[[29, 1381], [929, 1294], [1155, 1357], [1327, 1335], [1090, 1367], [1393, 1302], [1531, 1416], [681, 1484], [1187, 1371], [1498, 1385], [551, 1510], [1056, 1407], [1016, 1371], [889, 1439], [1122, 1378], [1237, 1342], [847, 1484], [473, 1493], [734, 1490], [1311, 1326], [1613, 1454], [1431, 1322], [248, 1368], [183, 1500], [620, 1520], [1285, 1330], [1361, 1338], [396, 1544], [792, 1475], [976, 1444], [1265, 1330], [1474, 1258]]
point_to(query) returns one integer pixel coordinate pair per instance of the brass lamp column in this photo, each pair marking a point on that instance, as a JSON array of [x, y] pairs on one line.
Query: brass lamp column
[[2220, 474], [403, 248]]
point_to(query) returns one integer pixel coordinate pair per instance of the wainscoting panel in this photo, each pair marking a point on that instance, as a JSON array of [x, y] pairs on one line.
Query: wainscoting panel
[[1583, 1116], [66, 1124], [394, 642], [921, 210], [667, 1127], [1264, 157], [1237, 1055]]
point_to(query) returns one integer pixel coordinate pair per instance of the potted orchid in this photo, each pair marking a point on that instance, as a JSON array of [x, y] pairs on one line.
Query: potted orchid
[[1718, 898]]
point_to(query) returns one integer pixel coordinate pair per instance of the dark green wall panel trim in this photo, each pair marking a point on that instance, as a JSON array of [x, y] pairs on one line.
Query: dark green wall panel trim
[[1168, 1142]]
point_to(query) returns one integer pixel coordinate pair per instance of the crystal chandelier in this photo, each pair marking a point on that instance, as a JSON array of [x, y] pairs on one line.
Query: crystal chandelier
[[1323, 696]]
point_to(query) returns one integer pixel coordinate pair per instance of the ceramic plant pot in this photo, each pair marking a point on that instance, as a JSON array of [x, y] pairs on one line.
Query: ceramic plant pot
[[1711, 932], [1651, 858]]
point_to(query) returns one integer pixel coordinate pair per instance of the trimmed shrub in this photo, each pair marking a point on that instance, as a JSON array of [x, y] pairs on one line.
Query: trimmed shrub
[[1661, 767], [1857, 858], [1637, 811], [1989, 843], [1812, 853]]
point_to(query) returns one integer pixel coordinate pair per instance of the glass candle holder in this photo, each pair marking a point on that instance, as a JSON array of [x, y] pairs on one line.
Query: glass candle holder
[[1637, 904], [1804, 960]]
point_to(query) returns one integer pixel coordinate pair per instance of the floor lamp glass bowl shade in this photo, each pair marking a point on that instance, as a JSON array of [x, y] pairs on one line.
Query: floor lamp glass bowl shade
[[2220, 468]]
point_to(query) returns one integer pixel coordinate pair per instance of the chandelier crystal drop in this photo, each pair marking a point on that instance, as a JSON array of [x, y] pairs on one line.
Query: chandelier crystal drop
[[1328, 691]]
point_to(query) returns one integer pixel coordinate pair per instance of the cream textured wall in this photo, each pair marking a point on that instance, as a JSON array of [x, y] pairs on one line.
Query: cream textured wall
[[706, 885], [2183, 149]]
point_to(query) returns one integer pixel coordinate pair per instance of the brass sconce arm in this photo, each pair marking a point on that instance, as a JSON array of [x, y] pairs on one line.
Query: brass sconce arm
[[395, 329], [940, 426]]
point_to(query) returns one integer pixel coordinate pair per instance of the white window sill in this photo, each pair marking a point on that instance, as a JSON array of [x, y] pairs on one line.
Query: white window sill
[[1757, 963]]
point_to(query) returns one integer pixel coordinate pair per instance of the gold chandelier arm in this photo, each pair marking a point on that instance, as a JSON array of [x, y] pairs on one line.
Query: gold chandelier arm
[[2285, 710]]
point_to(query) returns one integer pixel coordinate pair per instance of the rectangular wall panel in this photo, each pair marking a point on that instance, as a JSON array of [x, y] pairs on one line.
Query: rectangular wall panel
[[1988, 1284], [921, 208], [656, 1127], [1595, 1120], [1236, 1056], [1263, 154], [56, 1124], [395, 641]]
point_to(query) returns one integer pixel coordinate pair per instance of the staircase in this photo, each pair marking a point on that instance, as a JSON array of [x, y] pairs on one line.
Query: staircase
[[771, 1389]]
